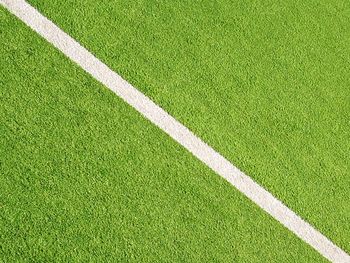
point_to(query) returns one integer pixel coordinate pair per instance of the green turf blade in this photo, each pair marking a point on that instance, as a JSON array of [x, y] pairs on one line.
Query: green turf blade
[[264, 83], [86, 178]]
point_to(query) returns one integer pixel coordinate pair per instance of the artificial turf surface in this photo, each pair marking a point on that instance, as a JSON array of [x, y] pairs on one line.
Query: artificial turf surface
[[265, 83], [84, 177]]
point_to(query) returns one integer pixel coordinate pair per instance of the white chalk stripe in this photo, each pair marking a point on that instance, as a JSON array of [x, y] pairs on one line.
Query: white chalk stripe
[[72, 49]]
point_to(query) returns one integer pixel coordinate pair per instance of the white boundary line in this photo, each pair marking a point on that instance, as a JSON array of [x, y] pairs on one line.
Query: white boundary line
[[72, 49]]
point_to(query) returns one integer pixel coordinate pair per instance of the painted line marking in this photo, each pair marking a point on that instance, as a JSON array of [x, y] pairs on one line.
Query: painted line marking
[[73, 50]]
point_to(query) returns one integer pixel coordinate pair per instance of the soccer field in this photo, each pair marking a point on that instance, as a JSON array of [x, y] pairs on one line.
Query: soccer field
[[86, 177]]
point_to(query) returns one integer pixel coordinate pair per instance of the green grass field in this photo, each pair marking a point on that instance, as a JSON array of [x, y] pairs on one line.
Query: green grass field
[[84, 177]]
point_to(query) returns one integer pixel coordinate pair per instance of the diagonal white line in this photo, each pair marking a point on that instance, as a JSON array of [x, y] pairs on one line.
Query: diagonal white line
[[176, 130]]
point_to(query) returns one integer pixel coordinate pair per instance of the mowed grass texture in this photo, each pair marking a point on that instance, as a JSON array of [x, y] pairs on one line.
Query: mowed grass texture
[[84, 177], [266, 84]]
